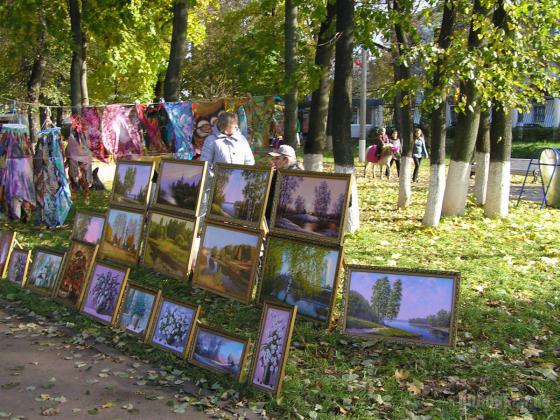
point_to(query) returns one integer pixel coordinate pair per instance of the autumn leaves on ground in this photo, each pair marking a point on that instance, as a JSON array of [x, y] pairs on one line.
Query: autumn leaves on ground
[[505, 363]]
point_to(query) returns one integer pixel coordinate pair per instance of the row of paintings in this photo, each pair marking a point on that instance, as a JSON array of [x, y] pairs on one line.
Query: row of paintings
[[307, 205]]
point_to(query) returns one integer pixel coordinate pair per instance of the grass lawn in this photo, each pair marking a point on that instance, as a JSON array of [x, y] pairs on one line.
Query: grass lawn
[[505, 363]]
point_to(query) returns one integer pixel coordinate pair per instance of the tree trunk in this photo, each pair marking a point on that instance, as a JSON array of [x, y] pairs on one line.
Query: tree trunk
[[290, 78], [342, 102], [77, 58], [177, 52], [83, 70], [436, 187], [482, 158], [35, 81], [330, 118], [316, 137]]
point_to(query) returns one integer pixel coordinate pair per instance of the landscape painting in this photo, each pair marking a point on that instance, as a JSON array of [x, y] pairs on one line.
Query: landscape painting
[[414, 307], [180, 185], [271, 350], [174, 325], [168, 244], [103, 292], [302, 274], [131, 185], [122, 235], [75, 273], [239, 194], [227, 261], [17, 267], [218, 351], [137, 309], [46, 267], [6, 241], [88, 227]]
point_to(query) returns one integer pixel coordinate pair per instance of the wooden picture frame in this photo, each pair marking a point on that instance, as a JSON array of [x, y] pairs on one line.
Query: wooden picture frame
[[124, 306], [39, 274], [77, 265], [7, 240], [210, 272], [155, 338], [169, 171], [207, 362], [172, 262], [114, 247], [434, 322], [128, 199], [86, 213], [242, 211], [276, 281], [275, 319], [103, 291], [16, 271], [297, 221]]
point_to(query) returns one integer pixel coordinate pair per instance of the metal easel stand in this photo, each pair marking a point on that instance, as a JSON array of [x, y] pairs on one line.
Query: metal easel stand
[[538, 173]]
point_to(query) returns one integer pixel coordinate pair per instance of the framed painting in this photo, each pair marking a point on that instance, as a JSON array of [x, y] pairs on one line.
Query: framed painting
[[17, 266], [88, 227], [132, 183], [311, 205], [411, 306], [7, 239], [104, 291], [122, 235], [173, 325], [168, 244], [218, 351], [239, 194], [137, 309], [45, 270], [79, 260], [303, 274], [272, 347], [180, 186], [227, 261]]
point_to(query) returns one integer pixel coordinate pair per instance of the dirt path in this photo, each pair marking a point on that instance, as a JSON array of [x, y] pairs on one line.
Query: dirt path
[[42, 375]]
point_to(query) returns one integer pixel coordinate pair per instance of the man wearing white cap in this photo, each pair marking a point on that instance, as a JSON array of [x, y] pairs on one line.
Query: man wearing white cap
[[285, 158]]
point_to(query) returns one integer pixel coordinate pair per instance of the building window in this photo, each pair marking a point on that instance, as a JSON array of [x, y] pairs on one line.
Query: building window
[[538, 113]]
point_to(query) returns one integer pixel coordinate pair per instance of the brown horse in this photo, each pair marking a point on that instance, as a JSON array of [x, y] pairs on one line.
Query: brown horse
[[384, 160]]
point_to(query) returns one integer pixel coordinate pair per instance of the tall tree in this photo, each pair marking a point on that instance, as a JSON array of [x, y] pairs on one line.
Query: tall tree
[[290, 39], [177, 53], [316, 137], [482, 158], [36, 78], [77, 77]]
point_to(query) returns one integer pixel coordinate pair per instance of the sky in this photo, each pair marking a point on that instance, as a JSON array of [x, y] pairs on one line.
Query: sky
[[143, 174], [94, 229], [422, 296], [173, 171], [220, 238], [233, 189], [307, 190]]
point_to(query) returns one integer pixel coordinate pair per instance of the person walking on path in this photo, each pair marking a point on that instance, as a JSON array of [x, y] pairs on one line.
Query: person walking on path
[[396, 142], [419, 151]]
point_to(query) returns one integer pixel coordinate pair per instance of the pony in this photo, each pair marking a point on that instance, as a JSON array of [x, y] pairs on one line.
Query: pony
[[384, 161]]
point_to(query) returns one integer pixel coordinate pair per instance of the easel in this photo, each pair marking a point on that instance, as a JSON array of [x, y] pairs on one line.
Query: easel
[[554, 154]]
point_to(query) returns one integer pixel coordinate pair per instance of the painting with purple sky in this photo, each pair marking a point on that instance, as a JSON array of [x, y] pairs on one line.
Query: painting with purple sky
[[411, 306], [88, 227], [179, 185], [132, 182]]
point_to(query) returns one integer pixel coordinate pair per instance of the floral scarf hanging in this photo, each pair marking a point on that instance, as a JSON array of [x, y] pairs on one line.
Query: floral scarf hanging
[[205, 116], [91, 127], [120, 128], [181, 128], [17, 177], [51, 183], [153, 119]]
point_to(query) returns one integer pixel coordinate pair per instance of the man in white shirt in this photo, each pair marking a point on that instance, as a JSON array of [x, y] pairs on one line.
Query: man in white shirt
[[229, 145]]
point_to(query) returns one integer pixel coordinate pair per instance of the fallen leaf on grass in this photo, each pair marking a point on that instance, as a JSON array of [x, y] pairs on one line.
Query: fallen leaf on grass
[[108, 404], [548, 373], [50, 411], [415, 387], [532, 352], [401, 374]]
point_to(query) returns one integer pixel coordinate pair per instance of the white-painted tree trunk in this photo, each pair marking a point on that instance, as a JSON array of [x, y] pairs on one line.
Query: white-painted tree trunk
[[405, 192], [313, 162], [456, 188], [497, 195], [481, 176], [329, 145], [353, 214], [432, 214]]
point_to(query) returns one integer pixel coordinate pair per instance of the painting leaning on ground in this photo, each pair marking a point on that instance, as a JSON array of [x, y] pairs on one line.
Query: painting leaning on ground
[[88, 227], [218, 352], [122, 235], [131, 183], [179, 185], [103, 292], [416, 307], [44, 270], [137, 310]]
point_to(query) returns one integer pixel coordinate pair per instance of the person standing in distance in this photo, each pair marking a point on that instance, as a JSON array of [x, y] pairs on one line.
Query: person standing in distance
[[419, 151]]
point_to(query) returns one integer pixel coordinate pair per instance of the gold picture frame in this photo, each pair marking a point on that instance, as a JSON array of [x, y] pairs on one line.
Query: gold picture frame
[[7, 240], [150, 318], [31, 284], [115, 251], [145, 184], [21, 270]]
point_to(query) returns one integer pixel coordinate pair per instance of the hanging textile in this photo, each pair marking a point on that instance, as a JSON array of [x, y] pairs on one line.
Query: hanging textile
[[51, 184], [91, 127], [120, 129], [17, 175], [205, 118], [78, 159], [243, 126], [154, 120], [259, 117], [181, 128]]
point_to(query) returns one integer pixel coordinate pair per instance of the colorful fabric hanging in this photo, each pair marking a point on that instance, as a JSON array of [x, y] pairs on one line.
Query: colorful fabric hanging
[[259, 117], [51, 184], [180, 126], [243, 126], [154, 120], [120, 128], [205, 118], [78, 159], [17, 176], [91, 127]]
